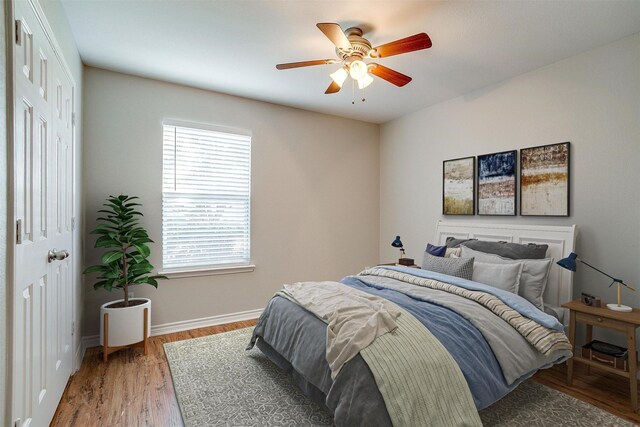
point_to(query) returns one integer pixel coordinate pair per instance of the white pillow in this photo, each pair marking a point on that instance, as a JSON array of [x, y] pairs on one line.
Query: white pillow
[[501, 276], [533, 280]]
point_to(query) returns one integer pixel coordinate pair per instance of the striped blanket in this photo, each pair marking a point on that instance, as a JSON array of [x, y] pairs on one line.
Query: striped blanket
[[545, 340]]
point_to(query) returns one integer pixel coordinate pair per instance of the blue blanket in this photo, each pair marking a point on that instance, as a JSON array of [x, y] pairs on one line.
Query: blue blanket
[[463, 341], [517, 303]]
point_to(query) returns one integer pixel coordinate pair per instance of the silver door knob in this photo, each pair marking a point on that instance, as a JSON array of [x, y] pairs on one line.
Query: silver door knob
[[56, 255]]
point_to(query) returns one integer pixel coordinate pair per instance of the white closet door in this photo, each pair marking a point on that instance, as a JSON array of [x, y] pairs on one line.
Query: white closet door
[[43, 291]]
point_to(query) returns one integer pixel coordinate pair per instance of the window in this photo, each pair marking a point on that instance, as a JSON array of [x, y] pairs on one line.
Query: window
[[206, 191]]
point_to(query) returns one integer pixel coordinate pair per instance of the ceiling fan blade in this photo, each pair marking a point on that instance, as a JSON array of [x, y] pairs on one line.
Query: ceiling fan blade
[[304, 64], [333, 88], [335, 34], [389, 75], [408, 44]]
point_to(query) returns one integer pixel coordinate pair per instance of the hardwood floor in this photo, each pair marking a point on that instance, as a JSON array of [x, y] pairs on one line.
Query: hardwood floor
[[131, 389], [606, 391], [134, 390]]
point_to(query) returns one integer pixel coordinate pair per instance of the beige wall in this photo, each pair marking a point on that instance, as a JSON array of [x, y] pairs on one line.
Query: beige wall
[[592, 100], [314, 189]]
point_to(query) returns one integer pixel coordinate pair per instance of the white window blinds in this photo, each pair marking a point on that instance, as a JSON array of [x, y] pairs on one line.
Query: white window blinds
[[206, 191]]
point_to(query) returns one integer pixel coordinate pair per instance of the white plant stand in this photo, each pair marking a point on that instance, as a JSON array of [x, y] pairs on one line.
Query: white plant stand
[[118, 326]]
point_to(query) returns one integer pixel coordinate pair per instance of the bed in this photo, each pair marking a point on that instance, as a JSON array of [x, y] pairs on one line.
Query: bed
[[455, 347]]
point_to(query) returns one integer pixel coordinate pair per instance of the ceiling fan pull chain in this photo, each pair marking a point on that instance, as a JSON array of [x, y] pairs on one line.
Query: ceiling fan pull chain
[[353, 92]]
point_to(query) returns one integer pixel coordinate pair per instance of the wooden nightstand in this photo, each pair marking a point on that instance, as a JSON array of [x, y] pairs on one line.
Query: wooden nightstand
[[400, 265], [608, 319]]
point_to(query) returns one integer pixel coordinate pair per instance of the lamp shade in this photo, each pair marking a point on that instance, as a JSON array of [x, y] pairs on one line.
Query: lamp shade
[[569, 262], [339, 76], [358, 69], [397, 243], [365, 81]]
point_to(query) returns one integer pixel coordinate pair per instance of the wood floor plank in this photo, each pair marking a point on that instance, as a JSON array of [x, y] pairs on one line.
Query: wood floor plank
[[137, 390], [131, 389]]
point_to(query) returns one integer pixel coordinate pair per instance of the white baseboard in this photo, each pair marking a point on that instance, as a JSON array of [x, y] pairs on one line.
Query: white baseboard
[[183, 325], [78, 357]]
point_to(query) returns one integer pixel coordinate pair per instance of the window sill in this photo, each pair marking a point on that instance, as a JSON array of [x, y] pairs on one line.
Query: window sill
[[209, 271]]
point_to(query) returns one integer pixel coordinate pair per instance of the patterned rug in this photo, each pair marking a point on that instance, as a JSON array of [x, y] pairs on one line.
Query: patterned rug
[[218, 383]]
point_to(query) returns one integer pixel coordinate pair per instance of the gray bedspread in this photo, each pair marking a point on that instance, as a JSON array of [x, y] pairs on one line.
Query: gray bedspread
[[298, 340]]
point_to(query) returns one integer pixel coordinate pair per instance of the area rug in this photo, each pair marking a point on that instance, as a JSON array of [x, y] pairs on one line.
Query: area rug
[[218, 383]]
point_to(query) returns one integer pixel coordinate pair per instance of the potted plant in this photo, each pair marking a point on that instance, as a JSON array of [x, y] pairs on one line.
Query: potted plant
[[125, 322]]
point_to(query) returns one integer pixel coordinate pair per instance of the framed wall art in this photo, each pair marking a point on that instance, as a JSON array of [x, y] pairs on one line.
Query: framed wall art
[[544, 180], [458, 181], [497, 183]]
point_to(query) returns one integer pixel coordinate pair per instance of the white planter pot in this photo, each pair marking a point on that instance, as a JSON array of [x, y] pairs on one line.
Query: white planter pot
[[126, 324]]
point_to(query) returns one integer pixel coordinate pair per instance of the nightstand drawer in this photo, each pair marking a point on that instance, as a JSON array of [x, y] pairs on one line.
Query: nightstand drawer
[[596, 320]]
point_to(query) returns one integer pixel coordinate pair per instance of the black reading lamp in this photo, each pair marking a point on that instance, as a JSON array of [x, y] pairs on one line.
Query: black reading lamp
[[397, 243], [570, 264]]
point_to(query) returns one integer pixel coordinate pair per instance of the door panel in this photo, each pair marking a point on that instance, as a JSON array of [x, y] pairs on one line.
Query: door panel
[[43, 203]]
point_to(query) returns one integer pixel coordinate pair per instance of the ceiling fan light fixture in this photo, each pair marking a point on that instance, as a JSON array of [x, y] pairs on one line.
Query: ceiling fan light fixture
[[365, 81], [357, 69], [339, 76], [352, 49]]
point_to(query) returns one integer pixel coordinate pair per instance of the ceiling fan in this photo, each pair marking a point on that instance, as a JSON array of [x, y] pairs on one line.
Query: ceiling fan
[[352, 49]]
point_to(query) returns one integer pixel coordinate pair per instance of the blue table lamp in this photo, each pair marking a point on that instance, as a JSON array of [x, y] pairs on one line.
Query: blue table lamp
[[398, 244], [570, 264]]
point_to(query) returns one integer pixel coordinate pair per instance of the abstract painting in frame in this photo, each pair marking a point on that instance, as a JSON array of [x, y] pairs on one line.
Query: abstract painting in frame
[[458, 180], [544, 180], [497, 183]]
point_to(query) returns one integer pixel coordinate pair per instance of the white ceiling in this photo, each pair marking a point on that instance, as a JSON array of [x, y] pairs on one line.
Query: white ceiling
[[233, 46]]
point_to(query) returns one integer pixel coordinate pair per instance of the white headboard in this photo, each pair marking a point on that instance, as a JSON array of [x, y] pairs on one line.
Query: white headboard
[[561, 241]]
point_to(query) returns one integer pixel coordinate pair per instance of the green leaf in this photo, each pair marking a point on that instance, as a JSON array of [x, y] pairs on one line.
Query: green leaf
[[111, 256], [112, 275], [143, 249], [142, 239], [111, 220], [141, 268], [113, 205], [148, 280], [134, 278], [104, 228], [103, 284], [95, 269], [135, 257], [106, 242]]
